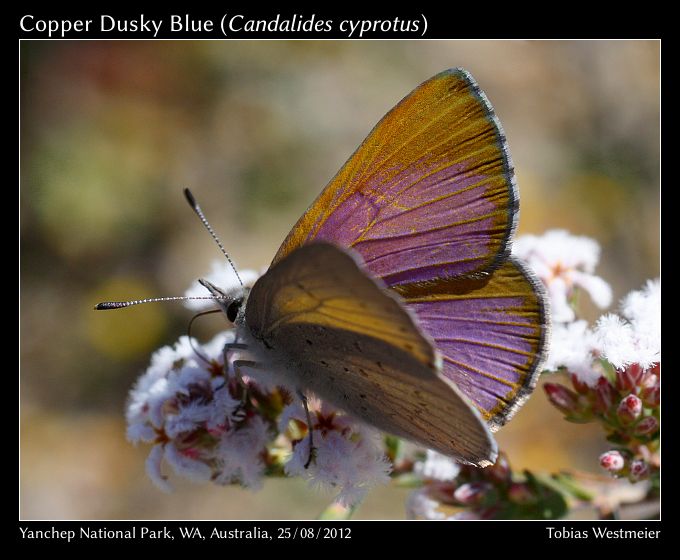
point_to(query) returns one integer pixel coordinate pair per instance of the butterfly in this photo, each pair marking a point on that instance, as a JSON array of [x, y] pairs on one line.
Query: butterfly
[[394, 297]]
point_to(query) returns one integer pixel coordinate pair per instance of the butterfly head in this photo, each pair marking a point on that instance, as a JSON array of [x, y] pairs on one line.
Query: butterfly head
[[231, 302]]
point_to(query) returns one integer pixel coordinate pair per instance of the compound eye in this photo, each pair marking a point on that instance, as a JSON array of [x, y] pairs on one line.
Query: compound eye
[[233, 309]]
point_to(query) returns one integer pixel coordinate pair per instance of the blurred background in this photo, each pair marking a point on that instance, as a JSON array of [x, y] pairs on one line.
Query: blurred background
[[112, 131]]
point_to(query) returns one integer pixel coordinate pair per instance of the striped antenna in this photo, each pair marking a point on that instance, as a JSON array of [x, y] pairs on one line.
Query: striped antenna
[[196, 208], [120, 304]]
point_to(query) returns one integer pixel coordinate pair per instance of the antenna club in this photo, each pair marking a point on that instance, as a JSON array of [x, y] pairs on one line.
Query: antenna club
[[110, 305], [190, 198]]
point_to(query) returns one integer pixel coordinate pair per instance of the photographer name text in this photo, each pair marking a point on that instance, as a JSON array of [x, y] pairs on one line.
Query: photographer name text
[[602, 533]]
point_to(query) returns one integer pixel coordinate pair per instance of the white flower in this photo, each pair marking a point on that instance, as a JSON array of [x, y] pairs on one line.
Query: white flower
[[240, 454], [643, 309], [174, 374], [153, 469], [635, 339], [181, 403], [185, 465], [349, 457], [140, 431], [223, 277], [187, 418], [615, 340], [571, 347], [222, 407], [437, 466], [563, 262], [644, 306], [420, 506]]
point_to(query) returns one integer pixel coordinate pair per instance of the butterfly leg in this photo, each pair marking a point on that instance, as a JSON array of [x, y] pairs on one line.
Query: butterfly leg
[[238, 364], [228, 347], [310, 429]]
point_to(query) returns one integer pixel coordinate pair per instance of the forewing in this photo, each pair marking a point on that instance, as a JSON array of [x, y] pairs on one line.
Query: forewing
[[491, 332], [429, 193], [351, 341]]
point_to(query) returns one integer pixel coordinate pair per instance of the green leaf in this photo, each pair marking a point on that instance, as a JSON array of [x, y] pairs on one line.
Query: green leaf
[[579, 419], [655, 481], [551, 503], [553, 506], [507, 510], [609, 370], [566, 483]]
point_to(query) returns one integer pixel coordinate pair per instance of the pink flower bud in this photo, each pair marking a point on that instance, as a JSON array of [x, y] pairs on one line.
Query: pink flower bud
[[627, 379], [471, 493], [561, 397], [500, 471], [629, 409], [520, 493], [651, 390], [604, 396], [639, 470], [612, 461], [647, 426]]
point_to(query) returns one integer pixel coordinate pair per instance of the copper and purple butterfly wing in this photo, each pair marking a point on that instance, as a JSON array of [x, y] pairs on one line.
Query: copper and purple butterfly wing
[[429, 202], [428, 194], [490, 331]]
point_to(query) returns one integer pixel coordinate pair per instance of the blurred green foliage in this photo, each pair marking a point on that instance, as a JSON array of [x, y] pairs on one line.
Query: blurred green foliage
[[111, 132]]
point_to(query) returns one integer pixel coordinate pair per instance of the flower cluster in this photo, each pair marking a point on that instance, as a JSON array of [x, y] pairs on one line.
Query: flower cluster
[[204, 425], [615, 375], [626, 403], [208, 424], [347, 455], [450, 491], [613, 367], [635, 336]]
